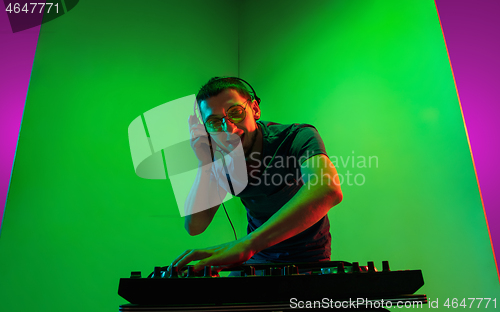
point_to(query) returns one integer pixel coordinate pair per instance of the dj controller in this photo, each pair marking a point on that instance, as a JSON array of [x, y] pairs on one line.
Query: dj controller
[[273, 287]]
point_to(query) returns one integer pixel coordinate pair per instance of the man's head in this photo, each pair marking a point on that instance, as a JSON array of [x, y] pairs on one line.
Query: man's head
[[229, 113]]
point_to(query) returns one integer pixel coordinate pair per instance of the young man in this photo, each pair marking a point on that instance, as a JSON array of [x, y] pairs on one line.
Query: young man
[[292, 184]]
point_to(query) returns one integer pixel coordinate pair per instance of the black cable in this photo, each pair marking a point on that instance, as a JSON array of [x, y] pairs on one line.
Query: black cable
[[231, 188], [234, 231]]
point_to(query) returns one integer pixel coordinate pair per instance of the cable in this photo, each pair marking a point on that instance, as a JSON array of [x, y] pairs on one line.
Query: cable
[[231, 188], [234, 231]]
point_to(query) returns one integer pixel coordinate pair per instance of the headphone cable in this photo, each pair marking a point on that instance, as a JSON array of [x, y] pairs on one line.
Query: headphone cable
[[230, 187]]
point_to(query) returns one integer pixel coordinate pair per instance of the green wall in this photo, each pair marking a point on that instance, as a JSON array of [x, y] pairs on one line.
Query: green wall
[[77, 217], [373, 77]]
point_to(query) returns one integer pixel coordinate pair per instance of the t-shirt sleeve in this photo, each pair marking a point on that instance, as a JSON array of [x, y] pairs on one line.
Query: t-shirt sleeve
[[306, 144]]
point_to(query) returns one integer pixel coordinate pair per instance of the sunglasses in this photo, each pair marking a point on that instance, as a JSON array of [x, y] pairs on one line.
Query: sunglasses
[[235, 114]]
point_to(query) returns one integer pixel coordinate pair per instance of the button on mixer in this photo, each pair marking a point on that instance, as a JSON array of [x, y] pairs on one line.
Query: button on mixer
[[135, 274]]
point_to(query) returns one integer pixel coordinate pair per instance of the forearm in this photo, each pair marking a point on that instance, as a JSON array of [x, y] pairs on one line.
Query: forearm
[[308, 206], [202, 202]]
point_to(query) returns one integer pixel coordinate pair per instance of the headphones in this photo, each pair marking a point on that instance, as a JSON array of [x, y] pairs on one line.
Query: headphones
[[255, 97], [215, 79]]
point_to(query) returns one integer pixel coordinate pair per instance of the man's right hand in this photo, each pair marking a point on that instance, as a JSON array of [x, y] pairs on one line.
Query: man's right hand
[[199, 141], [218, 257]]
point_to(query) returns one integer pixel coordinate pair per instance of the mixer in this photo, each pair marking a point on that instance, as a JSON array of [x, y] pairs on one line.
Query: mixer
[[273, 287]]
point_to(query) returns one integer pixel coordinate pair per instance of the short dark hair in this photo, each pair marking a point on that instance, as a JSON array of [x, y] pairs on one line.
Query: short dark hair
[[218, 84]]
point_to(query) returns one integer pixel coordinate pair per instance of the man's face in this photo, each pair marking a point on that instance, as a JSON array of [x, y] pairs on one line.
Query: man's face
[[232, 133]]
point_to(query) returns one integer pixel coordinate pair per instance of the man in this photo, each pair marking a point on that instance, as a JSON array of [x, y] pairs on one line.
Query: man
[[292, 184]]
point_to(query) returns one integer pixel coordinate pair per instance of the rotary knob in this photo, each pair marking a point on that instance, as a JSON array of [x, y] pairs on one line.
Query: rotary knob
[[174, 272], [190, 272], [157, 272], [207, 271], [385, 266], [250, 271], [355, 267], [371, 266], [340, 268], [275, 271], [290, 270]]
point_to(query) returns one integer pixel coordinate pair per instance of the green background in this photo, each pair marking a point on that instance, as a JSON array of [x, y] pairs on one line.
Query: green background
[[372, 76]]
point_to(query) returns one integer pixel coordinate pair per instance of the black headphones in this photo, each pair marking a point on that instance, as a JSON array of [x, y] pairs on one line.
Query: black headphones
[[255, 97]]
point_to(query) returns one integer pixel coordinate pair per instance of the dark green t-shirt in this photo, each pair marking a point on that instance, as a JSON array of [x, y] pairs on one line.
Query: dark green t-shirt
[[285, 148]]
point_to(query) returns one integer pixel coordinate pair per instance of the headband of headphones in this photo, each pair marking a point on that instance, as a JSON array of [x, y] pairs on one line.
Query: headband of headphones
[[253, 91]]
